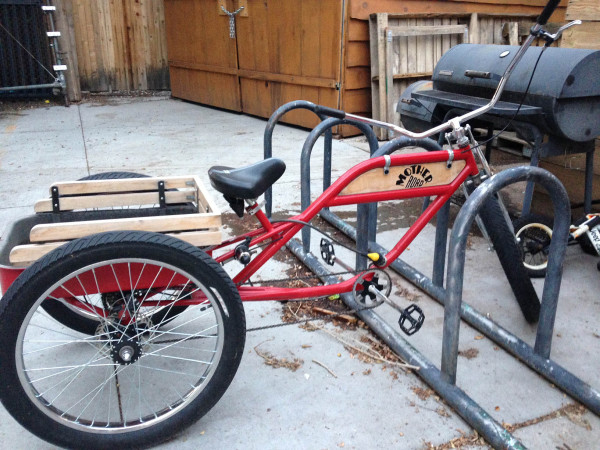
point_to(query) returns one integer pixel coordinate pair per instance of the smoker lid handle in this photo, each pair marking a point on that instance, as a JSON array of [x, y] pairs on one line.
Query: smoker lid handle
[[547, 12]]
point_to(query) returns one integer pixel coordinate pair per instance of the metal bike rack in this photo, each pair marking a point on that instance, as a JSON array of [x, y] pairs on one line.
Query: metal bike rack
[[443, 380], [364, 212]]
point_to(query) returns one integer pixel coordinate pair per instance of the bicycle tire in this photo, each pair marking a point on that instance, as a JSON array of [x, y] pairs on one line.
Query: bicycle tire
[[113, 176], [534, 234], [508, 252], [75, 391]]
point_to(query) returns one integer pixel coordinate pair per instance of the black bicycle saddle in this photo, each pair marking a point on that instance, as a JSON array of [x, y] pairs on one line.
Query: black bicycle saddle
[[248, 182]]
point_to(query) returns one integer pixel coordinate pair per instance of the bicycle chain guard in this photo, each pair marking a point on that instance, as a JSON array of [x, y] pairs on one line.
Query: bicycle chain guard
[[327, 252], [411, 319]]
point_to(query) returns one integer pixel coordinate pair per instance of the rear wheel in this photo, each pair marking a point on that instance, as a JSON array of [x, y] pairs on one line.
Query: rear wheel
[[534, 234], [136, 380], [77, 318]]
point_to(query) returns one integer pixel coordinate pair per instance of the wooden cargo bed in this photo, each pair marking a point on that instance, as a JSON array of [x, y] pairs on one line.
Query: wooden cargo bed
[[177, 206]]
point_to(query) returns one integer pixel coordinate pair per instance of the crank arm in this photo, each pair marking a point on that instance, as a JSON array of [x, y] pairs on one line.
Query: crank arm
[[411, 318]]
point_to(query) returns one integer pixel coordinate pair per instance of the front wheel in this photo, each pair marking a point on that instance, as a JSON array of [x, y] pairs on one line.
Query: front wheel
[[141, 376], [534, 234]]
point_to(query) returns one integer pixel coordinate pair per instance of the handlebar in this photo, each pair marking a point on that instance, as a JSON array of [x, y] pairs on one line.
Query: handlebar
[[547, 12], [331, 112]]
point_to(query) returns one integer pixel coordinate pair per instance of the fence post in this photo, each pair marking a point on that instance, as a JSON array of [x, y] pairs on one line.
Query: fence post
[[64, 23]]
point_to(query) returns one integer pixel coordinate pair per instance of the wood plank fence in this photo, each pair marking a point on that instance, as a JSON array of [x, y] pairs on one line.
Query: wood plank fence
[[121, 44]]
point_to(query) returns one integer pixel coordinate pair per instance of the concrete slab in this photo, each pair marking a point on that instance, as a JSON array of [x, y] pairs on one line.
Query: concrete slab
[[365, 405]]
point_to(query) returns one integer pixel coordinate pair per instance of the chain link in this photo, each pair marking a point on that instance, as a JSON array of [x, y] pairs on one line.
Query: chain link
[[313, 319], [287, 280]]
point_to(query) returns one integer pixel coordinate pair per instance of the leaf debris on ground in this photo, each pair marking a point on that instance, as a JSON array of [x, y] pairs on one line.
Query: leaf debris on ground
[[277, 363]]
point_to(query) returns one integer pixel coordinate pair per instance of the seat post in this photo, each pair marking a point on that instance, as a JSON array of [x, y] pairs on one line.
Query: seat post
[[255, 209]]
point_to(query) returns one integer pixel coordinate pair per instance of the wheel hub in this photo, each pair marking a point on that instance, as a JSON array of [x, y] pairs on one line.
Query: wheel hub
[[126, 350]]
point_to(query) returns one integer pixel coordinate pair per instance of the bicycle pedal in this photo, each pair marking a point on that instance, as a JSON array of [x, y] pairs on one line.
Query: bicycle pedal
[[327, 252], [411, 319]]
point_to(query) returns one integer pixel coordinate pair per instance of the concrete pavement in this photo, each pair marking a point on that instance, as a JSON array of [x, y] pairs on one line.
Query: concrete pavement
[[365, 405]]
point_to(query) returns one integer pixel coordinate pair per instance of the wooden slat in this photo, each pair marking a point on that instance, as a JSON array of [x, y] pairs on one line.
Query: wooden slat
[[583, 10], [389, 79], [381, 106], [74, 230], [204, 199], [358, 30], [117, 200], [203, 67], [405, 76], [425, 30], [404, 177], [357, 78], [122, 185], [291, 79], [256, 75], [358, 100], [585, 35], [24, 255], [361, 9], [357, 54], [474, 29]]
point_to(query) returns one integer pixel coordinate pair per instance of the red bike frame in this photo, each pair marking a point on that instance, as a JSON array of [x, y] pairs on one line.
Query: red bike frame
[[409, 176], [423, 185]]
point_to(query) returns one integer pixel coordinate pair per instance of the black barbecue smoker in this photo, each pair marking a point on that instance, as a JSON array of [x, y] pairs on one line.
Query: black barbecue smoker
[[562, 100]]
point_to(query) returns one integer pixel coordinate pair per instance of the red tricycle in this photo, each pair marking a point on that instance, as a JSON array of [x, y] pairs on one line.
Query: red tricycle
[[118, 330]]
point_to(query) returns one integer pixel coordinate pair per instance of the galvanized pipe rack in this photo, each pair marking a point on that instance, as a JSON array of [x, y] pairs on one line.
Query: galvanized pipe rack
[[444, 380]]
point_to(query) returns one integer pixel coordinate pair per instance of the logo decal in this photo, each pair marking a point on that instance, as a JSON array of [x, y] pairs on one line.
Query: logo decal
[[414, 176]]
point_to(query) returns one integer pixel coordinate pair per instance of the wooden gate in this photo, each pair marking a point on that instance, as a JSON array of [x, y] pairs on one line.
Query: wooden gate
[[283, 50]]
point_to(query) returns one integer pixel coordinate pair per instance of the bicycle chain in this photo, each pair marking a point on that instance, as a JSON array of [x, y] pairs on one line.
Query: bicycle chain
[[287, 280], [312, 319], [284, 324], [300, 321]]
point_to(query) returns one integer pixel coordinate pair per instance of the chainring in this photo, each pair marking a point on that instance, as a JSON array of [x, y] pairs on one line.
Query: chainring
[[379, 279]]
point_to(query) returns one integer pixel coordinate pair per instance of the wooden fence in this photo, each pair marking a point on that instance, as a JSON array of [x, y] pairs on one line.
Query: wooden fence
[[121, 44]]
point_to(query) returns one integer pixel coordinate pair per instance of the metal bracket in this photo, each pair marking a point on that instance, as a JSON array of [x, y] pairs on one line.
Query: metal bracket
[[55, 200], [388, 163], [450, 159], [250, 210], [161, 194]]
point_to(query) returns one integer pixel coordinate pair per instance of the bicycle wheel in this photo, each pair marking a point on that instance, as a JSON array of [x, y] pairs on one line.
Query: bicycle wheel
[[510, 258], [77, 318], [133, 383], [534, 234]]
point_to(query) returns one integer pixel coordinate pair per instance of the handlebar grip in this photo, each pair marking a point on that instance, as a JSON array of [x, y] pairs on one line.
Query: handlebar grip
[[547, 12], [331, 112]]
